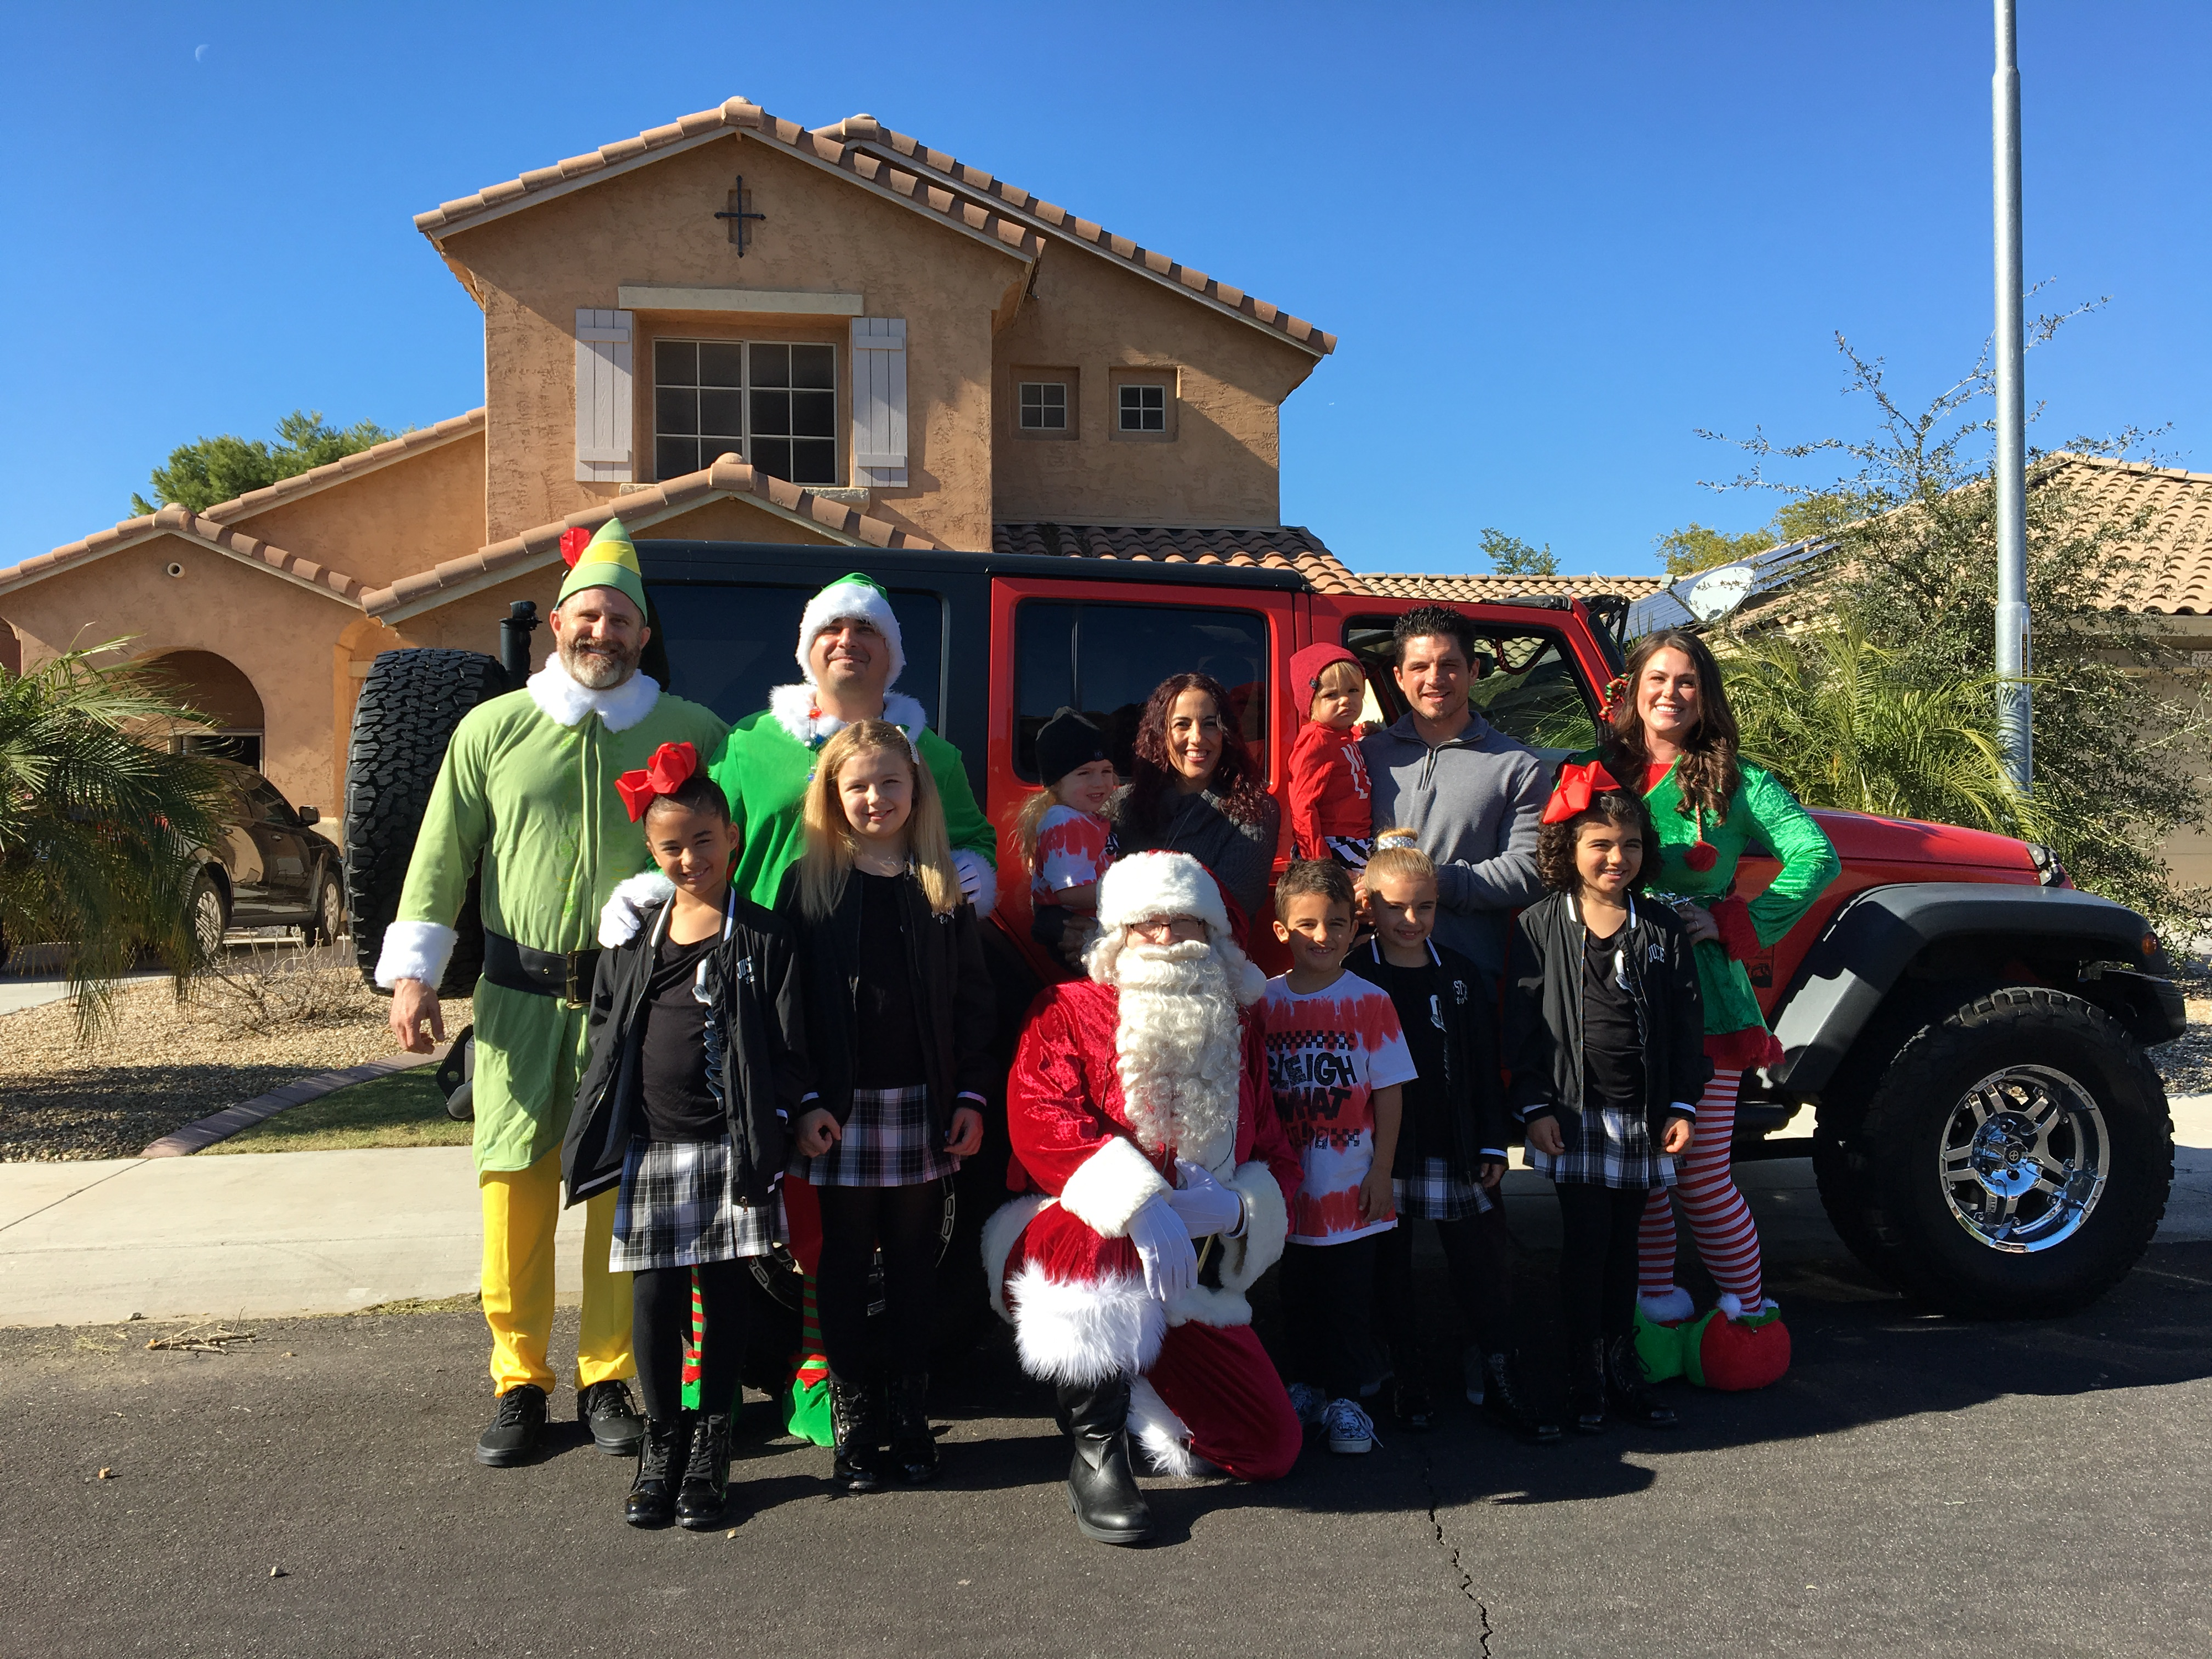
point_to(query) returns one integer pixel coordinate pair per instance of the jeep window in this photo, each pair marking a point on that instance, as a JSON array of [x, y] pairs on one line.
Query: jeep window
[[1104, 659], [730, 644], [1525, 684]]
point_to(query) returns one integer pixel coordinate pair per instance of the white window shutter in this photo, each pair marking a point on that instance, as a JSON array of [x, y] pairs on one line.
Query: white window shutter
[[603, 396], [879, 402]]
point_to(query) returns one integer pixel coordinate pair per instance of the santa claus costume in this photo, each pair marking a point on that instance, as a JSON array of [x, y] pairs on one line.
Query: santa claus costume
[[1158, 1186]]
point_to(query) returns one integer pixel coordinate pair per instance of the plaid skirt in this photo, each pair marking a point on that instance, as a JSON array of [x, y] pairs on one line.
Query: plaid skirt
[[1607, 1148], [1433, 1193], [889, 1141], [675, 1209]]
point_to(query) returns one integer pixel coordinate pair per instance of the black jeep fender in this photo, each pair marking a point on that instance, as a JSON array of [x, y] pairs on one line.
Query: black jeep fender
[[1879, 935]]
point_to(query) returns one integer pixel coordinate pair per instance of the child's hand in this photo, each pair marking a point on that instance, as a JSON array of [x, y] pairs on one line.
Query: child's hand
[[967, 1137], [818, 1131], [1375, 1196], [1544, 1136], [1489, 1173], [1676, 1139]]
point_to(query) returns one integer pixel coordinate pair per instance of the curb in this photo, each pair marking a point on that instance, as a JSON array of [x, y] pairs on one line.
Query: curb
[[204, 1133]]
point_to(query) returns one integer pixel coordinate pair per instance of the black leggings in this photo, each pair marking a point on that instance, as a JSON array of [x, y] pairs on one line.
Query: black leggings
[[1477, 1253], [661, 1324], [855, 1220], [1598, 1259]]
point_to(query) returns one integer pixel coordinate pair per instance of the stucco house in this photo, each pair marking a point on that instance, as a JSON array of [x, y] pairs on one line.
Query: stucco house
[[735, 327]]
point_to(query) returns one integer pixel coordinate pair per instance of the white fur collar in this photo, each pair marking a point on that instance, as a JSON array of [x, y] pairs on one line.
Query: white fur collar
[[794, 711], [566, 703]]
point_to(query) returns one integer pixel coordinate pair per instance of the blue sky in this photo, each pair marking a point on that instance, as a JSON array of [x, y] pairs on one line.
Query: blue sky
[[1554, 239]]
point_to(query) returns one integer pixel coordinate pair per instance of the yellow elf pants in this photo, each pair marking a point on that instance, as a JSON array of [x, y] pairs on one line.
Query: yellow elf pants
[[520, 1207]]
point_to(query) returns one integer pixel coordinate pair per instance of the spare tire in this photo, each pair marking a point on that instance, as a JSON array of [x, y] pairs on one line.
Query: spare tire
[[410, 704]]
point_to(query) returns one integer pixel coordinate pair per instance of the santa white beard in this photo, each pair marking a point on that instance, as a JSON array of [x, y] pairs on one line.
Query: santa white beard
[[1181, 1052]]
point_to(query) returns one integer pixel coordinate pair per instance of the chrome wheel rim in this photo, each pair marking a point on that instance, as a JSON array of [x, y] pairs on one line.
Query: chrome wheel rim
[[2024, 1159], [206, 920], [333, 912]]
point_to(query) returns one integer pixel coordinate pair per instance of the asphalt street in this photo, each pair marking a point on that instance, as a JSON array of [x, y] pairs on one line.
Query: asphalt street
[[1916, 1486]]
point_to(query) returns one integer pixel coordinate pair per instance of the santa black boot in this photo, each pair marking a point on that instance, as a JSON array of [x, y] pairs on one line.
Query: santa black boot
[[856, 1425], [1628, 1389], [1102, 1489], [914, 1449], [1586, 1384]]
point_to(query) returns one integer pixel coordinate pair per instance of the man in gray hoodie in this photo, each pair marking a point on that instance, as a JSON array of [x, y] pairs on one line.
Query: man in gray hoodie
[[1473, 795]]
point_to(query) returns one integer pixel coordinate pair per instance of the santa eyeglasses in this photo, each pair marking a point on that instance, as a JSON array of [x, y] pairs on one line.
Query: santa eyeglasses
[[1168, 930]]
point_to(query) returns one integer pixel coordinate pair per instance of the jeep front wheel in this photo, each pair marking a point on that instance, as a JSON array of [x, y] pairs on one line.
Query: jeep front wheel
[[2013, 1160]]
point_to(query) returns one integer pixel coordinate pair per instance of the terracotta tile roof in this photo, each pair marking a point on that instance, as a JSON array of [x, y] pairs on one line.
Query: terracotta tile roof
[[400, 448], [2175, 543], [865, 130], [737, 114], [175, 520], [728, 476], [1276, 547], [1494, 589]]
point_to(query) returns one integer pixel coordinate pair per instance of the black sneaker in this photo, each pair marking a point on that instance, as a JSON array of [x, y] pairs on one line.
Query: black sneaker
[[612, 1417], [1411, 1404], [516, 1428]]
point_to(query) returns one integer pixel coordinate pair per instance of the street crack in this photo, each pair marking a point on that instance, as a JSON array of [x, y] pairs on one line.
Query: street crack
[[1466, 1579]]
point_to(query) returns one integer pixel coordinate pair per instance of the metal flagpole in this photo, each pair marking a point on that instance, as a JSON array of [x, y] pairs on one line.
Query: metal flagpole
[[2014, 730]]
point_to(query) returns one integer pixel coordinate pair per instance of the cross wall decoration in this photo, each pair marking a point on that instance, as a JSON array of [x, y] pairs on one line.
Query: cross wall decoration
[[737, 215]]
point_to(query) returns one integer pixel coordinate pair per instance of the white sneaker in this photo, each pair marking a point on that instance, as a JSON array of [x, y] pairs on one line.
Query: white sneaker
[[1350, 1428], [1309, 1402]]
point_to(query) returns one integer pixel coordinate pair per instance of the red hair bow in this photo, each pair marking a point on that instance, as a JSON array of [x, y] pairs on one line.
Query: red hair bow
[[671, 763], [1577, 787]]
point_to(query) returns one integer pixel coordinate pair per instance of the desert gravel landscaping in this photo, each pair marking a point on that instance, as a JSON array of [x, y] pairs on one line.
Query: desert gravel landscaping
[[269, 1018]]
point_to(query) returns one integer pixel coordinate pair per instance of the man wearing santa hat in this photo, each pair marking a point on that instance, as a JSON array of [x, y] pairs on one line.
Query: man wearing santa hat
[[1159, 1191]]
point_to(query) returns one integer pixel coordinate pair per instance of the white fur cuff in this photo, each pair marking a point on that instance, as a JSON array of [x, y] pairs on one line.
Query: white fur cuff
[[1164, 1436], [1070, 1331], [1110, 1186], [1670, 1307], [978, 880], [624, 911], [413, 950], [1267, 1224], [1002, 1230]]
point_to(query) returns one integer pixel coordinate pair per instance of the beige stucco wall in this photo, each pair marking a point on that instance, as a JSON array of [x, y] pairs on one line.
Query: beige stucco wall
[[404, 517], [536, 268], [1222, 466], [278, 633]]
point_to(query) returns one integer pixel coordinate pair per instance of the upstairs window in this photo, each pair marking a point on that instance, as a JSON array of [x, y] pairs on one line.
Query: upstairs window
[[1044, 406], [774, 403], [1143, 407]]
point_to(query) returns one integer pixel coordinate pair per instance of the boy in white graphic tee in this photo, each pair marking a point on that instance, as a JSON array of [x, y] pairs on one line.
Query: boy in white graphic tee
[[1336, 1060]]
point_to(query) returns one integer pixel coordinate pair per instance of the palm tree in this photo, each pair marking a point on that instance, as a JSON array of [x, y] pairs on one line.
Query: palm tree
[[100, 827]]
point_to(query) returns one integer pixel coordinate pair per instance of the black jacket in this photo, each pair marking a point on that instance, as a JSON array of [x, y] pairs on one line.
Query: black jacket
[[952, 994], [754, 984], [1471, 1082], [1544, 1010]]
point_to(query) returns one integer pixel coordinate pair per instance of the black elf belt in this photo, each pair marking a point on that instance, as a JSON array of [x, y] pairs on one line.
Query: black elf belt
[[564, 974]]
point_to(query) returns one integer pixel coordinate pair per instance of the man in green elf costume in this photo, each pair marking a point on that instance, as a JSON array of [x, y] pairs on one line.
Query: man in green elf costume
[[850, 656], [526, 793]]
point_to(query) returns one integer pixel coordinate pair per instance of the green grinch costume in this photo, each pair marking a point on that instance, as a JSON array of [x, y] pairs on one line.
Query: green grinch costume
[[525, 798]]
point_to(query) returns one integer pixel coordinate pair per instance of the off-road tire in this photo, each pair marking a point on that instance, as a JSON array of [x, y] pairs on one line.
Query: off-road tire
[[410, 704], [1887, 1196]]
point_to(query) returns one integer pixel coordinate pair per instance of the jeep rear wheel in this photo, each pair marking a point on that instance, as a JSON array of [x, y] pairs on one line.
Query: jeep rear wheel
[[2013, 1162]]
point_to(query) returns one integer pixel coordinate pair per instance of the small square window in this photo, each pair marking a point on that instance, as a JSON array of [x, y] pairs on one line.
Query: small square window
[[1144, 407], [1044, 406]]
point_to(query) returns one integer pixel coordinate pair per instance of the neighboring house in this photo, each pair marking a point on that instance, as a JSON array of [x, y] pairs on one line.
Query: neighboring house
[[729, 327]]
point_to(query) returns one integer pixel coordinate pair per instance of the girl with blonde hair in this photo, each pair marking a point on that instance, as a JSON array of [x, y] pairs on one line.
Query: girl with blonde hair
[[899, 1013]]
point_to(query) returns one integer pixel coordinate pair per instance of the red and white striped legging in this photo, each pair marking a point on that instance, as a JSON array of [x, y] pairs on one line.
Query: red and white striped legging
[[1720, 1221]]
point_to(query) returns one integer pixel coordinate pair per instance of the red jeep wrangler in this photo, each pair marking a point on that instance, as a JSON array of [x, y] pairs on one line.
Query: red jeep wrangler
[[1968, 1028]]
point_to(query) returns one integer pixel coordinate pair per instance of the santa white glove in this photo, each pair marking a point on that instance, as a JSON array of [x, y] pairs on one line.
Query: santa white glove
[[1163, 1246], [626, 906], [1205, 1205], [979, 882]]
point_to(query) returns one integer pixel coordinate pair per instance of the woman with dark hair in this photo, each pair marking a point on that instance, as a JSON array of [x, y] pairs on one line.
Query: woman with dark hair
[[1196, 789], [1674, 739]]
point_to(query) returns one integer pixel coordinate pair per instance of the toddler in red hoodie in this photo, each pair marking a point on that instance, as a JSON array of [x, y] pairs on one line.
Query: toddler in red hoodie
[[1331, 810]]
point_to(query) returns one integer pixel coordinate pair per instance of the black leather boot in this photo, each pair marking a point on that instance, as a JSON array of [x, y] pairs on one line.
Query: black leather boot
[[913, 1448], [1628, 1389], [1586, 1384], [1507, 1404], [660, 1450], [705, 1494], [1101, 1488], [856, 1427]]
